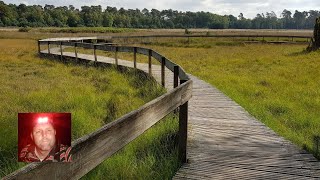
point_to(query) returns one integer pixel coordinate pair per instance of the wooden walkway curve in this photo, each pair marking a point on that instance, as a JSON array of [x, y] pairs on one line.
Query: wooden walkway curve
[[225, 142]]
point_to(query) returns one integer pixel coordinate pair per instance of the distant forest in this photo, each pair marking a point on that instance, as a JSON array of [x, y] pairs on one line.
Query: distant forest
[[94, 16]]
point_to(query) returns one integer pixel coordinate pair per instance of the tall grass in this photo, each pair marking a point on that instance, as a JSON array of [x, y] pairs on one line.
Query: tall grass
[[153, 155], [94, 96]]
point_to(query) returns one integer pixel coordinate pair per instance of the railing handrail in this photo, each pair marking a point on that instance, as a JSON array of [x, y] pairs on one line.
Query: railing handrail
[[90, 150], [214, 35], [106, 47]]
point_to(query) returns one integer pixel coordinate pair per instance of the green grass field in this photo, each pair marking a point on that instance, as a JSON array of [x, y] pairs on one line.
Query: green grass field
[[94, 97]]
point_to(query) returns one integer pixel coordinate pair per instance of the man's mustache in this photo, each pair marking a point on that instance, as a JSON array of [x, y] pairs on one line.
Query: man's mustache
[[44, 140]]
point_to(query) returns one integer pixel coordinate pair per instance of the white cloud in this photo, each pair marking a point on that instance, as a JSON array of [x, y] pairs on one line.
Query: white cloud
[[248, 7]]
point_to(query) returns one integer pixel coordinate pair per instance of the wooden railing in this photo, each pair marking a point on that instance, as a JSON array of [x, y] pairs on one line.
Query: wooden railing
[[92, 149], [217, 35], [249, 37]]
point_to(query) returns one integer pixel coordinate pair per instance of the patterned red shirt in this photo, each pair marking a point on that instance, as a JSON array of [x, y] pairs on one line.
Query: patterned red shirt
[[27, 154]]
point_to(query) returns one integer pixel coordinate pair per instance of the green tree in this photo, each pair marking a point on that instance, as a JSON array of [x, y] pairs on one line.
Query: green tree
[[107, 19], [287, 19], [242, 22], [92, 16], [258, 22], [271, 20], [299, 19]]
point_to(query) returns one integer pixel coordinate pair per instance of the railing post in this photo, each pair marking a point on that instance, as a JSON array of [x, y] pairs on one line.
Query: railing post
[[150, 64], [135, 57], [175, 76], [95, 53], [48, 47], [75, 51], [175, 81], [116, 56], [163, 65], [183, 130], [39, 47], [61, 53], [317, 146]]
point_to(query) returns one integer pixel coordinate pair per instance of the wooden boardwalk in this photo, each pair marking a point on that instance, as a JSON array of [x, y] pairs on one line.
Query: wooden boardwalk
[[225, 142]]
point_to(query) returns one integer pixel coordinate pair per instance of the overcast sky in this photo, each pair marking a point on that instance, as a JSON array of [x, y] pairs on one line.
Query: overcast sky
[[222, 7]]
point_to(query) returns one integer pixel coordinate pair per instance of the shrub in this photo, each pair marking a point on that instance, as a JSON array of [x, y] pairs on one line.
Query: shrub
[[186, 31], [25, 29]]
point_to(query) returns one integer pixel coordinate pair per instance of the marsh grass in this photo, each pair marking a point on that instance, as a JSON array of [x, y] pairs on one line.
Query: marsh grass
[[94, 96], [277, 84], [206, 42], [155, 152]]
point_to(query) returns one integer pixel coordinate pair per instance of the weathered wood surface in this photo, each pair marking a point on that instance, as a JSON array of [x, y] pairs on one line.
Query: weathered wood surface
[[225, 142]]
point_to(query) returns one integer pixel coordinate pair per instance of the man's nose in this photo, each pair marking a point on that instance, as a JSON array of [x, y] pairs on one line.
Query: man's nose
[[44, 134]]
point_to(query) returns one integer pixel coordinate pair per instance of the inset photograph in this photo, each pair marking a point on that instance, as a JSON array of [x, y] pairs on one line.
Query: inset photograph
[[44, 137]]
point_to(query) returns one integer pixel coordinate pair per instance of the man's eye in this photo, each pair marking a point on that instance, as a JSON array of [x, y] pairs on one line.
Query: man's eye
[[37, 132]]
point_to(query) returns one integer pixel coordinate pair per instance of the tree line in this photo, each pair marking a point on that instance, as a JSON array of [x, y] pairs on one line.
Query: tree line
[[94, 16]]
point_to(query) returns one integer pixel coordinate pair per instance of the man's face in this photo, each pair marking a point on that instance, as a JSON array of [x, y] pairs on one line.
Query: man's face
[[43, 136]]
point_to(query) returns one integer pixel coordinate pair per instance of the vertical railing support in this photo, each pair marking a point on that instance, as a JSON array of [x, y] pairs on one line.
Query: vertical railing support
[[150, 63], [116, 56], [183, 130], [48, 47], [163, 65], [76, 51], [39, 47], [135, 57], [61, 52], [175, 76], [317, 146], [95, 53], [175, 81]]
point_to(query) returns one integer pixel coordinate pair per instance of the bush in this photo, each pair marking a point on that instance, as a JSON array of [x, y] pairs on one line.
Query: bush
[[25, 29], [186, 31]]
